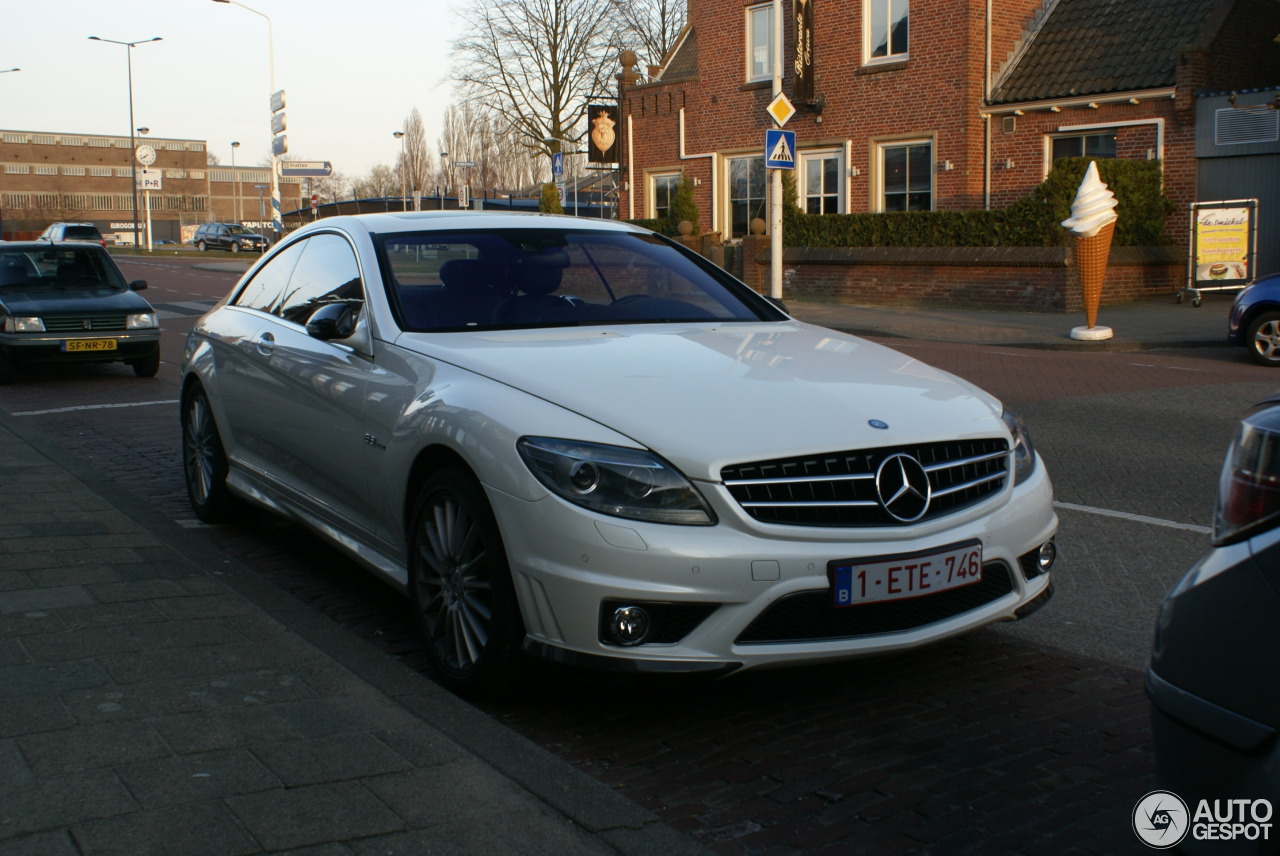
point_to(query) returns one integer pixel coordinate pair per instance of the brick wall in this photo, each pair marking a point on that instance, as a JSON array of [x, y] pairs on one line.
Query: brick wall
[[1030, 279]]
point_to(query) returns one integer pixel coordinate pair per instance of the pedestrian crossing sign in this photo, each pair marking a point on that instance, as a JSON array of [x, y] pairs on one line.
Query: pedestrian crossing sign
[[779, 149]]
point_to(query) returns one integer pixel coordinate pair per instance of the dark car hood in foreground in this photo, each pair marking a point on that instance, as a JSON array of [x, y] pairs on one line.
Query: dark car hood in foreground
[[69, 301]]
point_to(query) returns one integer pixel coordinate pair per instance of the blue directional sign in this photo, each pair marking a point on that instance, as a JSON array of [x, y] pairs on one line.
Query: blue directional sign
[[779, 149], [557, 163]]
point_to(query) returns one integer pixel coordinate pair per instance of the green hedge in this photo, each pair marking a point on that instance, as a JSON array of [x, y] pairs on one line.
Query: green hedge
[[1033, 221]]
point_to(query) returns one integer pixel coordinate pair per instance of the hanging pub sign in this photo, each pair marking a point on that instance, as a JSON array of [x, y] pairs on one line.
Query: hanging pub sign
[[602, 136], [1223, 242], [802, 68]]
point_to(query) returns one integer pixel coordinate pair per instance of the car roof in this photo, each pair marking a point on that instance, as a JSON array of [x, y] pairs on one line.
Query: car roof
[[46, 245], [417, 221]]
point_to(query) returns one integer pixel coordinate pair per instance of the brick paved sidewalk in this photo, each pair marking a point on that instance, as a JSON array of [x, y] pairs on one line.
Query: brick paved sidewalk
[[155, 698]]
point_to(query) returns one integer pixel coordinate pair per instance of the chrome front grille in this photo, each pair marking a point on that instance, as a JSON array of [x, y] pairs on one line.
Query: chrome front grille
[[839, 489], [84, 323]]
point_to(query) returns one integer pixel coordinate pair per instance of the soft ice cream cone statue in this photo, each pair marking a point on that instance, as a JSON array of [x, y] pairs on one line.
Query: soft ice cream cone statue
[[1092, 221]]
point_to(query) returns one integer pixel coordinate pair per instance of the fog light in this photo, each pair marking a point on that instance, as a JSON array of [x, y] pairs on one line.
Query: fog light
[[629, 625], [1048, 555]]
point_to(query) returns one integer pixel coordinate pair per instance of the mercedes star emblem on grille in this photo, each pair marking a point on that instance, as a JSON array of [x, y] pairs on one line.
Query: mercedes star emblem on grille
[[903, 487]]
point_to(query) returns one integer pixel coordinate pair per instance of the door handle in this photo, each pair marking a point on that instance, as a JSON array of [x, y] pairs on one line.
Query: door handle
[[266, 344]]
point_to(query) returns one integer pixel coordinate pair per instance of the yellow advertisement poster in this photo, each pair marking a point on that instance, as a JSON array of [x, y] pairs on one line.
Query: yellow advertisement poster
[[1223, 245]]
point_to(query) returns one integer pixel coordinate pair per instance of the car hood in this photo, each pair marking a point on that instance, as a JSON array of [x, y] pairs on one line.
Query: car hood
[[706, 396], [70, 301]]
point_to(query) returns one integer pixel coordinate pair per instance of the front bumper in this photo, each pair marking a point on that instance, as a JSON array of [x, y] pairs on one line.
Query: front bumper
[[57, 348], [759, 595]]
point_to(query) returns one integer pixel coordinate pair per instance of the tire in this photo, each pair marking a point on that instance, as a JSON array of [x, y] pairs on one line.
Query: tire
[[8, 370], [235, 247], [147, 366], [463, 600], [201, 246], [204, 462], [1263, 339]]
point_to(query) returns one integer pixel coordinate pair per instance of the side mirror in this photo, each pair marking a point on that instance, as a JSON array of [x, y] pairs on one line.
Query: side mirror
[[332, 321], [138, 285]]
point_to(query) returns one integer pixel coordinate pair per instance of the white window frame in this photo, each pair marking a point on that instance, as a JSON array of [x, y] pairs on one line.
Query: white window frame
[[726, 165], [651, 197], [881, 146], [869, 37], [754, 15], [802, 178]]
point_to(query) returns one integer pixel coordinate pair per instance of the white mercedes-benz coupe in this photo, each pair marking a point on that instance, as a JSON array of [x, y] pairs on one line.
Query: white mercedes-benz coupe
[[576, 439]]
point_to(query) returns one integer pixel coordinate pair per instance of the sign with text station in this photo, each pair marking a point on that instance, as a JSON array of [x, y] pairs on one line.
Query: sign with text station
[[302, 168]]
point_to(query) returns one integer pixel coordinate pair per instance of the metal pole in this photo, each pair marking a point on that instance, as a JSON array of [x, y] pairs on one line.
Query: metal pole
[[235, 177], [775, 225]]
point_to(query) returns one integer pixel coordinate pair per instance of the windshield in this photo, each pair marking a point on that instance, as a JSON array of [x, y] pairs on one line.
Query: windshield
[[57, 266], [239, 230], [504, 278]]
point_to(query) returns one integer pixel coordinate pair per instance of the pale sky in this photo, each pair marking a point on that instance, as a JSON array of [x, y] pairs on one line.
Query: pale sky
[[352, 71]]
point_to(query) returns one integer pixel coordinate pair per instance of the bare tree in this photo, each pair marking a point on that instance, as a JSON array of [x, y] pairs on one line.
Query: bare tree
[[536, 63], [380, 181], [414, 163], [650, 27]]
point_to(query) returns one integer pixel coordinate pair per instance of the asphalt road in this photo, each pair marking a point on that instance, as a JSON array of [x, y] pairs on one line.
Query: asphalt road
[[1028, 738]]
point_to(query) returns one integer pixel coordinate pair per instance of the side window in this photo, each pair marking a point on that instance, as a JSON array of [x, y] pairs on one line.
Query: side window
[[327, 273], [821, 183], [906, 176], [1096, 145], [759, 42], [663, 193], [263, 291], [885, 24]]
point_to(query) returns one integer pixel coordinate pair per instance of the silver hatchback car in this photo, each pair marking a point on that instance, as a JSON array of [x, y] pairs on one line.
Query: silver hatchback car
[[576, 439]]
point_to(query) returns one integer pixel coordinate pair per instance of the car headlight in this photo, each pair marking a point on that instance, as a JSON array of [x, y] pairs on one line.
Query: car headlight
[[140, 320], [1249, 487], [614, 480], [1024, 454], [23, 324]]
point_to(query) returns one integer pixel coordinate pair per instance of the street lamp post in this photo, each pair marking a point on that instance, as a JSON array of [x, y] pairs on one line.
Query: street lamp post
[[443, 157], [235, 178], [133, 147], [276, 223], [404, 163]]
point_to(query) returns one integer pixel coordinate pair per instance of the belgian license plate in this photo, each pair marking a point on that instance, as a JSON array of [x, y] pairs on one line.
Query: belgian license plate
[[77, 345], [882, 578]]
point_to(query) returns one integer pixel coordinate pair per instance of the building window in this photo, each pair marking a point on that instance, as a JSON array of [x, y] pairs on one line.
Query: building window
[[886, 30], [17, 169], [821, 187], [100, 170], [746, 193], [46, 169], [73, 170], [1096, 145], [662, 192], [906, 176], [760, 42]]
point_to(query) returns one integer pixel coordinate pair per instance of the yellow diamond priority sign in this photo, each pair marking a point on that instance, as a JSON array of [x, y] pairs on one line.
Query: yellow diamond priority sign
[[781, 109]]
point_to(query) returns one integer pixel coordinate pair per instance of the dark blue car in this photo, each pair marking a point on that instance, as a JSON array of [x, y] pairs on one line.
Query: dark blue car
[[1255, 320]]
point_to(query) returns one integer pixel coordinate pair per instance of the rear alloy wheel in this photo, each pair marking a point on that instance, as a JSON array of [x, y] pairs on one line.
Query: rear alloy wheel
[[235, 246], [147, 366], [204, 462], [463, 598], [1263, 339]]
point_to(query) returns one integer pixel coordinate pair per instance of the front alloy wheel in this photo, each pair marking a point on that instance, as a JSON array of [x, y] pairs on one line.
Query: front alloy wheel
[[204, 460], [1263, 339], [464, 602]]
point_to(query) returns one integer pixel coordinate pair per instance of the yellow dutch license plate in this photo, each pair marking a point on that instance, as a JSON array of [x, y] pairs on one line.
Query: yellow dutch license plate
[[81, 345]]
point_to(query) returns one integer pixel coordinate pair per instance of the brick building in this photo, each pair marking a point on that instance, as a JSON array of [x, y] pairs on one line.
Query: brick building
[[941, 104], [48, 176]]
